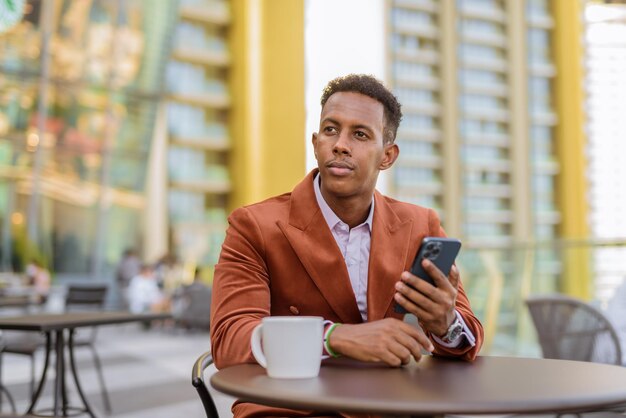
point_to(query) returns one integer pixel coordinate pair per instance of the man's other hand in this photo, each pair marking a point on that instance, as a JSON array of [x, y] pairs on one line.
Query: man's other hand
[[388, 340]]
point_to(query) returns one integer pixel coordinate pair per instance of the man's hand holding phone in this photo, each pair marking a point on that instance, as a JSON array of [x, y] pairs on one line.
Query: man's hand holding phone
[[429, 290], [433, 305], [425, 292]]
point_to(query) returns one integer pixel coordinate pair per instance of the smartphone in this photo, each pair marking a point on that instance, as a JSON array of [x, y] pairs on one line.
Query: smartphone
[[441, 252]]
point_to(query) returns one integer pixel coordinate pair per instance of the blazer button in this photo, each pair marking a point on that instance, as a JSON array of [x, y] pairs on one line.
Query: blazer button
[[294, 310]]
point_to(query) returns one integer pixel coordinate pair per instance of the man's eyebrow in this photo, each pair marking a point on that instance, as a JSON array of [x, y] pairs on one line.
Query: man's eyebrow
[[366, 127], [359, 126], [331, 120]]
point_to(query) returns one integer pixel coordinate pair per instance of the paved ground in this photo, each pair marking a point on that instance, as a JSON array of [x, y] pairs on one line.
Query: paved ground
[[147, 373]]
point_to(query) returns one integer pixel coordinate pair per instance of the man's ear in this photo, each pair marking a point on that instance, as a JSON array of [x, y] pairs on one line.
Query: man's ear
[[390, 156], [314, 142]]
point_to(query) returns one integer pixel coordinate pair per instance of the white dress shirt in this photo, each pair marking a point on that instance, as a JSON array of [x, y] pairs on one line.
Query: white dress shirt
[[354, 244]]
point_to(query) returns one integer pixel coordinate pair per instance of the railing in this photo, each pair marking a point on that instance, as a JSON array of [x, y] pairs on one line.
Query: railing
[[498, 279]]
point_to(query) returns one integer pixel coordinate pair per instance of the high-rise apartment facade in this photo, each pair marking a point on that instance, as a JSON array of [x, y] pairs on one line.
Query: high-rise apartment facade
[[479, 140]]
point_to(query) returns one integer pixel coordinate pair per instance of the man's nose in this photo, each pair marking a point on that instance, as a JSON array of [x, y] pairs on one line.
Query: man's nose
[[342, 146]]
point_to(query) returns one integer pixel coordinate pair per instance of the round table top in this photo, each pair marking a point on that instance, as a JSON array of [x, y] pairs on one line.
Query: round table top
[[433, 386], [45, 322]]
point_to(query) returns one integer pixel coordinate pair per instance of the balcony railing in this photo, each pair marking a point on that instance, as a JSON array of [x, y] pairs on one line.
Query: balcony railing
[[499, 278]]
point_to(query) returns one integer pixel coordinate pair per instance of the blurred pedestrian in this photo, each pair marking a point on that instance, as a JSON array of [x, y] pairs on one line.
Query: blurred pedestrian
[[128, 267], [169, 273], [39, 278], [144, 294]]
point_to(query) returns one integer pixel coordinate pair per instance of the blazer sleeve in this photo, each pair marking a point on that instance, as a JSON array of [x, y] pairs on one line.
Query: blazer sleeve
[[241, 293], [466, 352]]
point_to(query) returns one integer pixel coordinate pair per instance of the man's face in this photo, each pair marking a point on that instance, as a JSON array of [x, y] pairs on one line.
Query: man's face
[[349, 146]]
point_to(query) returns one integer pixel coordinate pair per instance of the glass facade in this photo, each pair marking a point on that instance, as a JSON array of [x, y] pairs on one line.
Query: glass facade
[[79, 87]]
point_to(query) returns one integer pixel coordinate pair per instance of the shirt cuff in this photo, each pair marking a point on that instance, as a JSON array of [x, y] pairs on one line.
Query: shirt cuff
[[465, 336]]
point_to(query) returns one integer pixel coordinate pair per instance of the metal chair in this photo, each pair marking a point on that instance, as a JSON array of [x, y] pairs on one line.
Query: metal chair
[[3, 390], [20, 342], [197, 380], [571, 329], [89, 298], [25, 344], [193, 304]]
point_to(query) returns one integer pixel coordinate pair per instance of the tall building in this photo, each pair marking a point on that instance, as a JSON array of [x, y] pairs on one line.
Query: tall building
[[477, 79], [235, 104], [198, 135]]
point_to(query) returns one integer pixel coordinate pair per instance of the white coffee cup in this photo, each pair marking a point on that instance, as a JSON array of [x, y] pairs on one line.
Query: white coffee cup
[[289, 347]]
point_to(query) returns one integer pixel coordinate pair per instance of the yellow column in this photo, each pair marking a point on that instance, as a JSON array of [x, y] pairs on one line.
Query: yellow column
[[571, 141], [452, 185], [518, 125], [267, 86]]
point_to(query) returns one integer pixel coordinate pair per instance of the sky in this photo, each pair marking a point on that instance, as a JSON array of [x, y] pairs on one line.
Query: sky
[[341, 37]]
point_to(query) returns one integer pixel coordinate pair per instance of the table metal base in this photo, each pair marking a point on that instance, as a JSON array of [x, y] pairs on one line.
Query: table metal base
[[61, 406]]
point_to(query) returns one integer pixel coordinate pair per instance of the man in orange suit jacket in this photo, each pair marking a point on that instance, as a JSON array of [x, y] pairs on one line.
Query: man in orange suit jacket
[[335, 247]]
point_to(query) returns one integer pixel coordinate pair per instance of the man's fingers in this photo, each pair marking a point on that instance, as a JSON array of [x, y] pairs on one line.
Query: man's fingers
[[418, 305], [402, 301], [407, 289], [454, 276], [417, 296], [422, 289], [411, 280], [410, 338], [438, 277], [401, 354], [418, 336], [410, 342], [396, 349], [423, 340]]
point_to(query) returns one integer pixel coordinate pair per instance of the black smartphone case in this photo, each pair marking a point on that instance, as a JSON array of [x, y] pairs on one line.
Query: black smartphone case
[[441, 251]]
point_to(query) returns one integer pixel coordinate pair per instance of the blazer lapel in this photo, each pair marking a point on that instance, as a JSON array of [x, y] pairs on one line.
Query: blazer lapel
[[388, 257], [311, 239]]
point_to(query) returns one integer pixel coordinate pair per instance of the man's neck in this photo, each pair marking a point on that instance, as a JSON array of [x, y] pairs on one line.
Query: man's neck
[[352, 211]]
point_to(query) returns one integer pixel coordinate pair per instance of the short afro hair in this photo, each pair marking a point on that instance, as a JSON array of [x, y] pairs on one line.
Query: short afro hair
[[372, 87]]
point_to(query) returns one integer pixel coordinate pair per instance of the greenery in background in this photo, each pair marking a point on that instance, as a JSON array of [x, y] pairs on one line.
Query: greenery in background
[[25, 251]]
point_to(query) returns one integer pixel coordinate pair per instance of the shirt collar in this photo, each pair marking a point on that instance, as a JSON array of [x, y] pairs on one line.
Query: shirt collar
[[329, 215]]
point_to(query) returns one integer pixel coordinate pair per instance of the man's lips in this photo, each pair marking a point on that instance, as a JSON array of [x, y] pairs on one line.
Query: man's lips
[[338, 168]]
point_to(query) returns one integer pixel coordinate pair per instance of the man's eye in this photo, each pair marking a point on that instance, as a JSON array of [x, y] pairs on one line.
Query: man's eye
[[360, 134], [330, 129]]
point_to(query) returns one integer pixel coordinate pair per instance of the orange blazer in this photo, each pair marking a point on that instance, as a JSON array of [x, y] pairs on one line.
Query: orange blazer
[[280, 258]]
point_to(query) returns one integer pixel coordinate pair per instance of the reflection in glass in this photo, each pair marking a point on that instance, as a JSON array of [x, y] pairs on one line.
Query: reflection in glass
[[107, 61]]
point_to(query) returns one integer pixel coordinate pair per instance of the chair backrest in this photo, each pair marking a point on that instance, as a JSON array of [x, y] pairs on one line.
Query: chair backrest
[[197, 307], [85, 297], [197, 380], [571, 329]]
